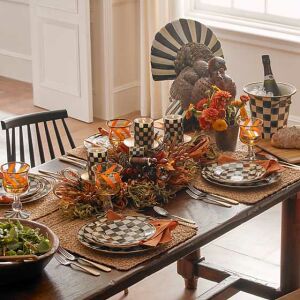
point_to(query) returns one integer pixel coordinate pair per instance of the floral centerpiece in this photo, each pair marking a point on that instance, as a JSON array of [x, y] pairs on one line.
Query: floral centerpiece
[[145, 181], [220, 112]]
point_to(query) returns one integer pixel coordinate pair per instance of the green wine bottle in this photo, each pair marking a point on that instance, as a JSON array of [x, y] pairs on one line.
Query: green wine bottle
[[270, 84]]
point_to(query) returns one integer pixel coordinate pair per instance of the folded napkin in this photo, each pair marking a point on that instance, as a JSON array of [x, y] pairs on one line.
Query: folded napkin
[[270, 165], [112, 216], [163, 233]]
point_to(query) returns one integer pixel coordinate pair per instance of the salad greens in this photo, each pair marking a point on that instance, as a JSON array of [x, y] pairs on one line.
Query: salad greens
[[17, 239]]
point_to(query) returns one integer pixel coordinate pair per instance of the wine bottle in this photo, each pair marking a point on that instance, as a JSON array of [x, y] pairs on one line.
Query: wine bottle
[[270, 84]]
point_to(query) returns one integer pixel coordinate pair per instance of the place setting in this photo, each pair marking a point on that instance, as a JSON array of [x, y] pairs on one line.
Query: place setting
[[21, 187], [247, 172]]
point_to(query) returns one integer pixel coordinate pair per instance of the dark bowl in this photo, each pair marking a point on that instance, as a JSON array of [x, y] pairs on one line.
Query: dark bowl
[[23, 271]]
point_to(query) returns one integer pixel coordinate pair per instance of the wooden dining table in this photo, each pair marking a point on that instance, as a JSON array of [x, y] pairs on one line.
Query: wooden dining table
[[58, 282]]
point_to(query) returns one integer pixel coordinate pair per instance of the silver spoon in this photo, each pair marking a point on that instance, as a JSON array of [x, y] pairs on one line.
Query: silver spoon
[[161, 211]]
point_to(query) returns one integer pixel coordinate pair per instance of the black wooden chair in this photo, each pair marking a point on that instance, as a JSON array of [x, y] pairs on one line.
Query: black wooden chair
[[14, 126]]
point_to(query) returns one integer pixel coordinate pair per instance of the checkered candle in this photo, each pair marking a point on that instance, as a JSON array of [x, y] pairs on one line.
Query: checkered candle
[[95, 155], [137, 151], [173, 125], [143, 133]]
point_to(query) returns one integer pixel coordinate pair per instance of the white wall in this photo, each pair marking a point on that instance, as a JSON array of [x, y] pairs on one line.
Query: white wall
[[15, 50], [115, 57], [126, 56]]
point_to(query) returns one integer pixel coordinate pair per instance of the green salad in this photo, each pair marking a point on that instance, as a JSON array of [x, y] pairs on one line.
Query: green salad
[[17, 239]]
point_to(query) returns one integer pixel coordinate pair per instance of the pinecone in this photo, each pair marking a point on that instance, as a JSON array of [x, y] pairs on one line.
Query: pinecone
[[189, 53], [201, 89]]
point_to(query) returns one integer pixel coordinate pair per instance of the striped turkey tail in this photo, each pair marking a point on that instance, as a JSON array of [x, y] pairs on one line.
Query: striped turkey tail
[[171, 38]]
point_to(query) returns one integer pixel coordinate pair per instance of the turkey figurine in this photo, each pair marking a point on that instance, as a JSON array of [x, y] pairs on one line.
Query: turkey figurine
[[218, 77]]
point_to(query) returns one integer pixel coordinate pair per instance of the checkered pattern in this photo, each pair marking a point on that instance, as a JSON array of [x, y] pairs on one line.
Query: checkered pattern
[[235, 172], [119, 233], [174, 128], [143, 134], [34, 186], [264, 181], [272, 111], [95, 156], [137, 151]]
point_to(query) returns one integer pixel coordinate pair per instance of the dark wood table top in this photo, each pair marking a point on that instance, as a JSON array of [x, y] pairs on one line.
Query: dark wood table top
[[60, 282]]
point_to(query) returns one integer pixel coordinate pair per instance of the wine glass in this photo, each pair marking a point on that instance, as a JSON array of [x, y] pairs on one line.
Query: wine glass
[[250, 134], [107, 181], [119, 130], [15, 182]]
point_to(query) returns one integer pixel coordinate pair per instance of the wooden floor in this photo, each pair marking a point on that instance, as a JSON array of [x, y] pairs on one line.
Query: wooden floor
[[252, 248]]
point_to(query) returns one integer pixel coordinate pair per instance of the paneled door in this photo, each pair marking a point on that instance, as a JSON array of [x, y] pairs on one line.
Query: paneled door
[[61, 56]]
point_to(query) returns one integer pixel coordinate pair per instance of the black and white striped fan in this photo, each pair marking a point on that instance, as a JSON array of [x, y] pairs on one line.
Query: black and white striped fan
[[171, 38]]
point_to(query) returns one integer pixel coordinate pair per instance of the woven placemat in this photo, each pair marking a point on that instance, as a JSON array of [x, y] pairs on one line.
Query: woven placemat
[[67, 230], [39, 208], [253, 195]]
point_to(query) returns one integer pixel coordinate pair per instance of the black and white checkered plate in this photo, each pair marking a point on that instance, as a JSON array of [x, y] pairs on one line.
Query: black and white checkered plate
[[124, 233], [38, 187], [270, 179], [235, 172], [108, 250]]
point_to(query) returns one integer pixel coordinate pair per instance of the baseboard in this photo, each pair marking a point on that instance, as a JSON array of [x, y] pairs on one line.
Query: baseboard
[[294, 119], [15, 65], [126, 86]]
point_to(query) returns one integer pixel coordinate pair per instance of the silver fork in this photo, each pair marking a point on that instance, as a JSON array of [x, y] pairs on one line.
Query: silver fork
[[82, 260], [65, 262], [210, 201], [212, 196]]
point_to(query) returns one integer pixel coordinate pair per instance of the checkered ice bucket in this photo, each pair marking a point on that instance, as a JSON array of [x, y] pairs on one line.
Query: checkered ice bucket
[[274, 111]]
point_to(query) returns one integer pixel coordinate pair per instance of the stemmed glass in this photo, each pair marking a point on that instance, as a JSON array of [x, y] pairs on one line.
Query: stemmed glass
[[107, 181], [15, 183], [250, 134], [119, 130]]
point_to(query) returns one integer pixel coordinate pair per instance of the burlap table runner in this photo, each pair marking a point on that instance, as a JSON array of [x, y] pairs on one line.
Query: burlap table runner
[[251, 195]]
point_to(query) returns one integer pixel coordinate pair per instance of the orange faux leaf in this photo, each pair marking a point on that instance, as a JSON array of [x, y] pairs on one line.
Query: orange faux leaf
[[108, 181], [126, 132], [23, 169], [110, 170], [11, 167], [118, 133], [117, 177]]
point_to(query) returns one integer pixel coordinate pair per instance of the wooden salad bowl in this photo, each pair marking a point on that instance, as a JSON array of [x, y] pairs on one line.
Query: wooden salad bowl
[[23, 270]]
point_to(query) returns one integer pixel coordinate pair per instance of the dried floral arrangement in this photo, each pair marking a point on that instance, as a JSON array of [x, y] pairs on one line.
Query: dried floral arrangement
[[145, 181], [218, 110]]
